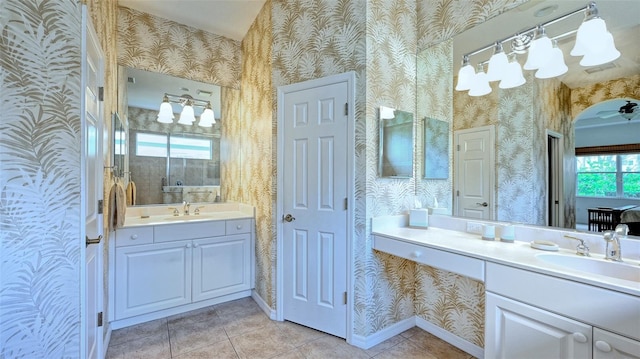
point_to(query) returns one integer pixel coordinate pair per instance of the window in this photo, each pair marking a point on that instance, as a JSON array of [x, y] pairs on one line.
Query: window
[[158, 145], [608, 175]]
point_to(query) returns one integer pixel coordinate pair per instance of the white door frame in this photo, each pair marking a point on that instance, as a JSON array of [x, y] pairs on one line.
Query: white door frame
[[89, 36], [492, 165], [559, 173], [350, 78]]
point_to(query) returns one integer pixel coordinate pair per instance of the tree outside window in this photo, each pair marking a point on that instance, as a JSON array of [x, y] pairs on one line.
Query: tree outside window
[[613, 176]]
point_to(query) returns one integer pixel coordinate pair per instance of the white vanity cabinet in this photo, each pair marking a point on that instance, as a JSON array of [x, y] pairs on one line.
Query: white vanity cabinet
[[171, 268], [531, 315]]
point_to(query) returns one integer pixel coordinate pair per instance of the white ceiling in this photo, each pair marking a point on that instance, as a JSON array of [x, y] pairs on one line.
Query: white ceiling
[[229, 18]]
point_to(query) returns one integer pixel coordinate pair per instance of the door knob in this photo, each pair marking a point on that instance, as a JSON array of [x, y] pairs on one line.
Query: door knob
[[483, 204], [89, 241], [288, 218]]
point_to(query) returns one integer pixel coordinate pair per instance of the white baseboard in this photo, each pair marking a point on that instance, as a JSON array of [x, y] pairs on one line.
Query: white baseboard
[[386, 333], [263, 305], [450, 338]]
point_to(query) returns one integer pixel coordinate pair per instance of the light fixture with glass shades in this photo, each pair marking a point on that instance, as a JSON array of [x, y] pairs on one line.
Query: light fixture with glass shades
[[187, 115], [593, 42]]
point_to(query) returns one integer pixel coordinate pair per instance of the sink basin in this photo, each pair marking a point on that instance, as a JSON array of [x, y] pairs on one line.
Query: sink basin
[[618, 270]]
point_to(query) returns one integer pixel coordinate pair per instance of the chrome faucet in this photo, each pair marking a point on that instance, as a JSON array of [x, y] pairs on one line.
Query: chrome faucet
[[582, 249], [186, 206], [613, 251]]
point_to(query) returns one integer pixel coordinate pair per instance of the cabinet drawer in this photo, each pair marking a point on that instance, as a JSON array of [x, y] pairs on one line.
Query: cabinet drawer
[[238, 226], [193, 230], [451, 262], [134, 236]]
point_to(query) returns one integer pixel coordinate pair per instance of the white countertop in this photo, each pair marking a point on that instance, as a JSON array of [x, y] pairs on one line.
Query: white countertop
[[162, 215], [518, 254]]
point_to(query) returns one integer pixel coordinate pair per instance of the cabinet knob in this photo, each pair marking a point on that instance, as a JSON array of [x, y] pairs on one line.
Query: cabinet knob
[[603, 346], [239, 226], [580, 338], [134, 236], [416, 254], [195, 245], [188, 245]]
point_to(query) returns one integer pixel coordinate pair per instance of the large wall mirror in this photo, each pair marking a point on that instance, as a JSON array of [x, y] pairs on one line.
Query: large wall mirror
[[170, 159], [522, 115]]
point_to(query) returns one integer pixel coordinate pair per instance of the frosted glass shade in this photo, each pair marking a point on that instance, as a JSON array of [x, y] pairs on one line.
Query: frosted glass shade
[[165, 115], [513, 76], [554, 67], [207, 118], [606, 54], [466, 75], [539, 53], [480, 86], [187, 117], [497, 64], [591, 36]]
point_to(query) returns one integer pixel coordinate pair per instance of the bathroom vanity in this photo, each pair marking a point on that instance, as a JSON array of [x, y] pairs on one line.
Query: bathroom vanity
[[164, 264], [538, 304]]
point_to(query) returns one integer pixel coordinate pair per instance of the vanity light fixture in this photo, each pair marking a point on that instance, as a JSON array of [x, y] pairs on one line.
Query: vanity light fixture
[[593, 42], [187, 115]]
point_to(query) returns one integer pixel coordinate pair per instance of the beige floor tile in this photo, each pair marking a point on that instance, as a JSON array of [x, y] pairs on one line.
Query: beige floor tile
[[297, 334], [294, 354], [219, 350], [436, 346], [197, 335], [152, 328], [386, 345], [193, 316], [331, 347], [155, 346], [261, 344], [239, 306], [243, 323], [411, 332], [405, 350]]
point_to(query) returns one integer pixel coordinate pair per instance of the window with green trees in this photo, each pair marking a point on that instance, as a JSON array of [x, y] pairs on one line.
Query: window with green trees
[[614, 176]]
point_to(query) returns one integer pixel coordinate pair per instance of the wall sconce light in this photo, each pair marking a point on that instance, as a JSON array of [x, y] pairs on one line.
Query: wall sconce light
[[593, 42], [187, 116]]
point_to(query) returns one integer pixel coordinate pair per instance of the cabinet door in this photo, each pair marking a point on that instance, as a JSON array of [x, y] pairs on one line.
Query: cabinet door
[[517, 330], [152, 277], [607, 345], [221, 266]]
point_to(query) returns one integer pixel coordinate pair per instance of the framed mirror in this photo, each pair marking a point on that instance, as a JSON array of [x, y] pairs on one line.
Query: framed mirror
[[396, 143], [119, 145], [436, 149]]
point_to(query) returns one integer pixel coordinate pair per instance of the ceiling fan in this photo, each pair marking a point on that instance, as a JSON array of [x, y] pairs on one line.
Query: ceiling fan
[[630, 110]]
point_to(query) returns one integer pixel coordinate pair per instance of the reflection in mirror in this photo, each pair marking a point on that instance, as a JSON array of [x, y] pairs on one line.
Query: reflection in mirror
[[396, 143], [436, 149], [119, 146], [521, 115], [176, 161]]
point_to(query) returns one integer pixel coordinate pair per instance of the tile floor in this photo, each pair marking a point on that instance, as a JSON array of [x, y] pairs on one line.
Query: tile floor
[[240, 329]]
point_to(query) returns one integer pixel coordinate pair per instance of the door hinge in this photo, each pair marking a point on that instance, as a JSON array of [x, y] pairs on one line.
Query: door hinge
[[100, 319], [100, 206], [346, 109], [458, 147], [457, 193], [344, 297], [346, 203], [100, 93]]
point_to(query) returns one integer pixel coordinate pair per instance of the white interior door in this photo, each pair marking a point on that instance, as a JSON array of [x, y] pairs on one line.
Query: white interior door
[[555, 203], [474, 178], [92, 184], [314, 133]]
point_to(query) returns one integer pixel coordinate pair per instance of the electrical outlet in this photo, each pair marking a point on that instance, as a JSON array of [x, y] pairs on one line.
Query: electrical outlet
[[474, 227]]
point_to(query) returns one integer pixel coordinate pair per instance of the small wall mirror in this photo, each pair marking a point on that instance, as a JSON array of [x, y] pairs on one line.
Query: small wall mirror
[[119, 146], [396, 143], [436, 149]]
